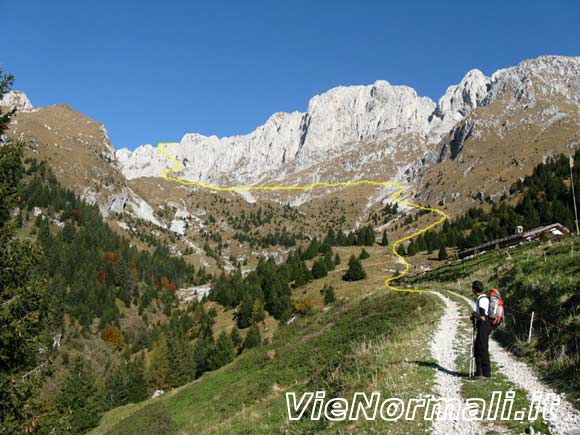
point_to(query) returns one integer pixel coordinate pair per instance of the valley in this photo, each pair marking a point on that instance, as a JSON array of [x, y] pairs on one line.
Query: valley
[[186, 288]]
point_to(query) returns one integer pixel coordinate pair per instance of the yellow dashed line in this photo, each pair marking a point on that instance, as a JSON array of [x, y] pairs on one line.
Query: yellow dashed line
[[394, 196]]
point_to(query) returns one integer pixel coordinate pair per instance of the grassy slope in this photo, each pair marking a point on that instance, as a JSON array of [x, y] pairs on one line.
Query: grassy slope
[[368, 343], [530, 270], [532, 275]]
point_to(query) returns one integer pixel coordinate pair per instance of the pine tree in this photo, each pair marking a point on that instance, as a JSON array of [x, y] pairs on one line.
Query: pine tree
[[401, 249], [236, 338], [23, 312], [328, 262], [330, 237], [201, 354], [79, 399], [253, 338], [244, 312], [442, 253], [68, 232], [355, 270], [223, 352], [412, 248], [385, 239], [336, 259], [6, 81], [312, 250], [328, 294], [319, 269], [304, 275], [180, 358], [363, 254], [136, 384], [116, 393], [158, 368]]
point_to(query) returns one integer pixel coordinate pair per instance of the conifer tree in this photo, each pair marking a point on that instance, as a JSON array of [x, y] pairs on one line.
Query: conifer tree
[[116, 393], [363, 254], [136, 384], [328, 294], [385, 239], [23, 305], [328, 261], [244, 312], [201, 353], [223, 352], [401, 249], [319, 269], [442, 253], [412, 248], [180, 359], [355, 270], [79, 400], [236, 338], [330, 237], [253, 338], [158, 369]]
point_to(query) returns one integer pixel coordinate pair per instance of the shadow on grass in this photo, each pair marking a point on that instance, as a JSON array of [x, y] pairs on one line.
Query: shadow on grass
[[436, 366]]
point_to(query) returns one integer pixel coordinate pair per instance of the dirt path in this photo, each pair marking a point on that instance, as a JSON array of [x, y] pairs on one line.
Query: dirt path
[[567, 421], [447, 380]]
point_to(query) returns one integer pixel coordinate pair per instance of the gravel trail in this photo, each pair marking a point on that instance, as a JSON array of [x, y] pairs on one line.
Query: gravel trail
[[447, 380], [567, 421]]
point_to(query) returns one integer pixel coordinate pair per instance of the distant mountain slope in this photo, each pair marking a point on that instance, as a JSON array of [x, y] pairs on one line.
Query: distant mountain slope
[[482, 135]]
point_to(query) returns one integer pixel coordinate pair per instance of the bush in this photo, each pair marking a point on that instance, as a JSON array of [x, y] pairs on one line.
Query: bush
[[303, 306]]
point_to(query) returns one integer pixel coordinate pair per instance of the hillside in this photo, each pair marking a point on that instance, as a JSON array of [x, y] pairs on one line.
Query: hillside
[[464, 151], [370, 342], [380, 342], [119, 285]]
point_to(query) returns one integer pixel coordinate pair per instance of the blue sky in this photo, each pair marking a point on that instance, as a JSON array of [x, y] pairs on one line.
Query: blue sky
[[152, 71]]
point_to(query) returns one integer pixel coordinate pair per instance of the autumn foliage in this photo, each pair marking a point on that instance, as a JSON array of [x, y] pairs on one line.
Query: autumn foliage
[[168, 285], [111, 257], [112, 334]]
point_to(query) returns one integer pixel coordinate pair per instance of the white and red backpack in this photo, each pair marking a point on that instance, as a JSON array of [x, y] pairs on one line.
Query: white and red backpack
[[495, 312]]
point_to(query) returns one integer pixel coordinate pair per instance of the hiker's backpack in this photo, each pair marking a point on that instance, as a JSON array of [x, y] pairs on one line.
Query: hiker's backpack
[[496, 310]]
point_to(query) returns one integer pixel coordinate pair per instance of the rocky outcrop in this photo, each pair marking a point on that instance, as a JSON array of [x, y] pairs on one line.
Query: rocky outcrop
[[348, 116], [334, 121], [17, 100]]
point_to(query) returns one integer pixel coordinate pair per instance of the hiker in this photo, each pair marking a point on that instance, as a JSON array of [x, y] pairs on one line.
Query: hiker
[[483, 325]]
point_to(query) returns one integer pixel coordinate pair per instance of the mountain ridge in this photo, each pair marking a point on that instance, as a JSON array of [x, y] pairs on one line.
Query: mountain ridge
[[348, 115]]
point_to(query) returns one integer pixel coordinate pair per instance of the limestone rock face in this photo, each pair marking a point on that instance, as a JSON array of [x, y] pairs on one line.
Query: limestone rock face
[[16, 99], [347, 117]]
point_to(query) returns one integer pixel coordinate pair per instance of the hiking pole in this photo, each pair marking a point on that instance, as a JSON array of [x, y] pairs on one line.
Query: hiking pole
[[472, 354]]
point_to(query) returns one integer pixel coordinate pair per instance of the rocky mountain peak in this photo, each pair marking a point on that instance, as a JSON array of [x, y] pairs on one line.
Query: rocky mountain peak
[[346, 117], [336, 119], [459, 100], [545, 76], [16, 99]]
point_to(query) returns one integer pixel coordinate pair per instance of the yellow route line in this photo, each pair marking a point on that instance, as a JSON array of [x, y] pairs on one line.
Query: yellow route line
[[394, 196]]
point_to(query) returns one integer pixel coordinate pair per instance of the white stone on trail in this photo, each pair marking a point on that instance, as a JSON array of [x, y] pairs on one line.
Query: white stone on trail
[[567, 418], [447, 383]]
